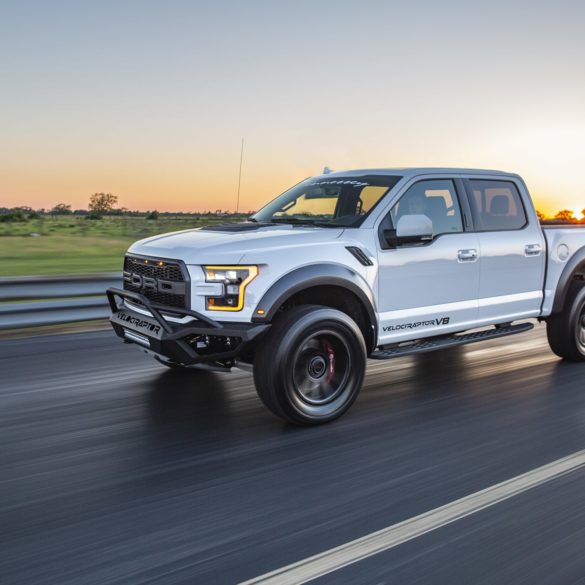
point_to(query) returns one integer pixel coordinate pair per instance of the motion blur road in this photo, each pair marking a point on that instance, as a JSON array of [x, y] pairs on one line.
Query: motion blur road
[[117, 470]]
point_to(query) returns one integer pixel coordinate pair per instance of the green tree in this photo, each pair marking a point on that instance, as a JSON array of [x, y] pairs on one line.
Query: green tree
[[61, 209], [16, 214], [102, 203], [565, 215], [93, 215]]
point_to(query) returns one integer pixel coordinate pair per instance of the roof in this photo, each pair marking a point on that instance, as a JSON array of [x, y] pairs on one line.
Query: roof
[[414, 171]]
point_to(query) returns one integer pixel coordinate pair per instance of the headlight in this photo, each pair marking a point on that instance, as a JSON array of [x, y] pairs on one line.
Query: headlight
[[235, 279]]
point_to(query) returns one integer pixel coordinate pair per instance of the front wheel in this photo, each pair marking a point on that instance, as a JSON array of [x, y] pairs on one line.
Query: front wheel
[[566, 331], [310, 367]]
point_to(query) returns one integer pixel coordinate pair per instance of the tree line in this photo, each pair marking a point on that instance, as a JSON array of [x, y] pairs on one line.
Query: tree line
[[100, 205], [562, 216]]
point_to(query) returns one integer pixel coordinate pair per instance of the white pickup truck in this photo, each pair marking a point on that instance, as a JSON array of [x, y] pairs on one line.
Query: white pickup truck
[[352, 265]]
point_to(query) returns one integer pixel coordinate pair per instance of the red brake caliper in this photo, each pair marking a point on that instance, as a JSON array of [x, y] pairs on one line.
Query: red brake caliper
[[331, 355]]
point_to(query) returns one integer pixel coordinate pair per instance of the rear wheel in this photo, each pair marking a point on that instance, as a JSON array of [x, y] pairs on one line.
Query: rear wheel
[[566, 331], [310, 367]]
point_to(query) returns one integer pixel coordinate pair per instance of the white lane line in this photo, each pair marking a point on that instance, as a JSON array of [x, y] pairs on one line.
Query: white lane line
[[387, 538]]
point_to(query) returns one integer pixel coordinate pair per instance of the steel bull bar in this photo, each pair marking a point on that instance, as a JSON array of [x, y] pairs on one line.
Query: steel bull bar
[[175, 341]]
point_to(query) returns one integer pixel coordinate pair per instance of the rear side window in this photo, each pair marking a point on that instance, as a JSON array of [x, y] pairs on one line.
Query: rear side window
[[496, 206]]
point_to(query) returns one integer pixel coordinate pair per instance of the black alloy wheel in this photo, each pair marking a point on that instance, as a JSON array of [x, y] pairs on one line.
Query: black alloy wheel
[[310, 366]]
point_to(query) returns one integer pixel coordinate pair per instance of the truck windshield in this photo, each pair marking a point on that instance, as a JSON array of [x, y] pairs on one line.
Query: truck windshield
[[328, 201]]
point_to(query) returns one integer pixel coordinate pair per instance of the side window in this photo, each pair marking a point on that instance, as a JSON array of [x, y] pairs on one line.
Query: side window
[[496, 205], [437, 200]]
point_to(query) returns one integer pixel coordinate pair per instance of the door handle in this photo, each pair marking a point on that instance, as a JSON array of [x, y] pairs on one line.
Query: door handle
[[532, 250], [467, 255]]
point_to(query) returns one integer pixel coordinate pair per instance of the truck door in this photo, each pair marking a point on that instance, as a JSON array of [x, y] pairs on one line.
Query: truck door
[[511, 248], [428, 288]]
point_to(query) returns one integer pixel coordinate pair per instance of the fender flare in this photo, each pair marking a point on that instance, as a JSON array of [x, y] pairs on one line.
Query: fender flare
[[311, 276], [574, 266]]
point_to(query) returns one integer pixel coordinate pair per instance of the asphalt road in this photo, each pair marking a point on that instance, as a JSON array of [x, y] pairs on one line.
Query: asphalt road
[[114, 469]]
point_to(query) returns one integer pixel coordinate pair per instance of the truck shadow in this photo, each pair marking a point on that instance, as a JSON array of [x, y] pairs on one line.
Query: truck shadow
[[442, 370], [192, 398], [195, 402], [565, 377]]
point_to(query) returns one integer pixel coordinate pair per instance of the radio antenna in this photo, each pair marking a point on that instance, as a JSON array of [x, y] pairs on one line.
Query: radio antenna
[[240, 177]]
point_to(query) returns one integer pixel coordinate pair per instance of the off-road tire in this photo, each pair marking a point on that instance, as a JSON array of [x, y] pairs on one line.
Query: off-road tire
[[310, 366], [566, 330]]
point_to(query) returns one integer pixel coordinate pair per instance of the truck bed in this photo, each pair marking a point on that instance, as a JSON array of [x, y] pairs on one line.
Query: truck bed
[[562, 242]]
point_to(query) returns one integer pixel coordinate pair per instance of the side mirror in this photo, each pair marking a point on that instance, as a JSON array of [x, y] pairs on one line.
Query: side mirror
[[415, 226], [411, 229]]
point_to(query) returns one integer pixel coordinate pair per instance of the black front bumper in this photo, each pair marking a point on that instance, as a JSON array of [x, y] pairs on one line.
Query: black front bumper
[[177, 341]]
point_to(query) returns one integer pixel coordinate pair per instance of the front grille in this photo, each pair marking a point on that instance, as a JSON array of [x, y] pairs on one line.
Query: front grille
[[158, 280]]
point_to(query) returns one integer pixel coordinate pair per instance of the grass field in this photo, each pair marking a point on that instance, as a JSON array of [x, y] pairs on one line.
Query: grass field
[[73, 245]]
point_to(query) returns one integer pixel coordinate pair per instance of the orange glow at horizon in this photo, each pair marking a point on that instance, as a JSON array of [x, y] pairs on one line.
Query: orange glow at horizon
[[207, 193], [205, 190]]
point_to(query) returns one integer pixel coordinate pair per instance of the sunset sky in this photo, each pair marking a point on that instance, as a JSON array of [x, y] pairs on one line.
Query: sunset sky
[[149, 100]]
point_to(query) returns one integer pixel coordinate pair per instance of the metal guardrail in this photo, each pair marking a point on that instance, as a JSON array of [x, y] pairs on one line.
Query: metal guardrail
[[40, 300]]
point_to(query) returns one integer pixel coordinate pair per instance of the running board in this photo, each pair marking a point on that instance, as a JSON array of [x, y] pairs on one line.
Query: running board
[[434, 343]]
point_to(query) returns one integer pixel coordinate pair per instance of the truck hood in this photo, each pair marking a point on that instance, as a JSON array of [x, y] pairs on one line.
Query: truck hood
[[201, 246]]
